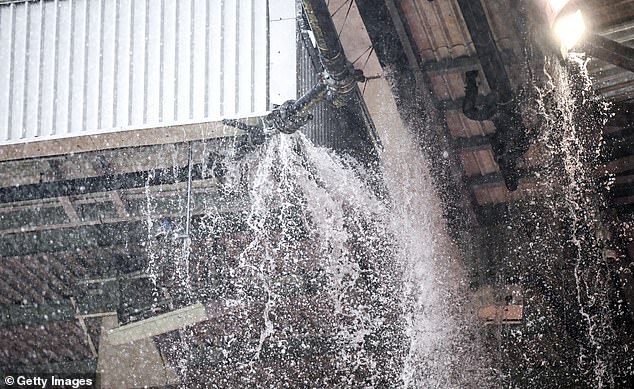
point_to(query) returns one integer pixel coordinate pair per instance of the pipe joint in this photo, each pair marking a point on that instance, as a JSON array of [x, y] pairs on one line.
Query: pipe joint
[[286, 118]]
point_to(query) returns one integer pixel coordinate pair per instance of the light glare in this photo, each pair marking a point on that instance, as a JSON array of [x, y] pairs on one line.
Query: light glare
[[557, 5], [569, 28]]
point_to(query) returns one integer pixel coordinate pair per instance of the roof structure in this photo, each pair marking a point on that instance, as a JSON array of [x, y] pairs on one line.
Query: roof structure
[[77, 218]]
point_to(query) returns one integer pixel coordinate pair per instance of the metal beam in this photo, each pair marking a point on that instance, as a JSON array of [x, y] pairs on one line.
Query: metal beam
[[610, 51], [120, 233], [105, 183], [157, 325], [118, 139], [473, 143], [461, 64], [37, 314], [482, 36]]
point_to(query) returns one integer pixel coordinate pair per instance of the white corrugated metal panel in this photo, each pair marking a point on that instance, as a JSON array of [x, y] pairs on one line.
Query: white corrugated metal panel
[[73, 67]]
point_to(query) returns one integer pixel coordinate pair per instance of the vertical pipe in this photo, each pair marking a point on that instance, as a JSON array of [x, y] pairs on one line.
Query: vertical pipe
[[323, 28]]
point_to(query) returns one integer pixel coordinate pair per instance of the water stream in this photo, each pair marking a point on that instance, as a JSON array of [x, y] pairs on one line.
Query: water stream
[[311, 272], [569, 130], [322, 266]]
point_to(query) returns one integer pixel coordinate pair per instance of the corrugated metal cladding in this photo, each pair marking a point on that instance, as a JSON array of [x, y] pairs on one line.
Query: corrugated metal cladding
[[329, 127], [69, 67], [340, 129], [323, 130]]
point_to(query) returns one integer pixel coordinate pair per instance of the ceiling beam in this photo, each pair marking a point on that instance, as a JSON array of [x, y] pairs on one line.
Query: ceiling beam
[[490, 57], [104, 183], [508, 121], [117, 232], [461, 64], [65, 310], [164, 212], [118, 139], [473, 143], [610, 51], [13, 315], [157, 325], [72, 238]]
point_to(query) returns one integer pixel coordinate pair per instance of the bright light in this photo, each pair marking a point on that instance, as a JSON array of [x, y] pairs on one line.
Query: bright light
[[557, 5], [569, 28]]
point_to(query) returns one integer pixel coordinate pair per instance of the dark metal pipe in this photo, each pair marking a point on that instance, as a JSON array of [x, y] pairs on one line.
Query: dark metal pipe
[[488, 52], [339, 73], [82, 186], [325, 33], [510, 140], [339, 78], [310, 99]]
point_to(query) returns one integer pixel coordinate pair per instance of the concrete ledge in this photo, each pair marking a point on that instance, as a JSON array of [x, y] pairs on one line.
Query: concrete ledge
[[116, 139]]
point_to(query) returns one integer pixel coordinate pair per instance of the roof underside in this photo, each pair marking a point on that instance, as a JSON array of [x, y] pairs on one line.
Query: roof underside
[[77, 225]]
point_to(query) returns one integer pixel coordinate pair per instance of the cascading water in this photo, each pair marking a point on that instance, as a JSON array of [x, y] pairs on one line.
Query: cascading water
[[569, 131], [327, 279]]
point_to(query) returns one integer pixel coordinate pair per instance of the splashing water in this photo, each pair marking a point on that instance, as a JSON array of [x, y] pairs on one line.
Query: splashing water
[[575, 145], [326, 266]]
